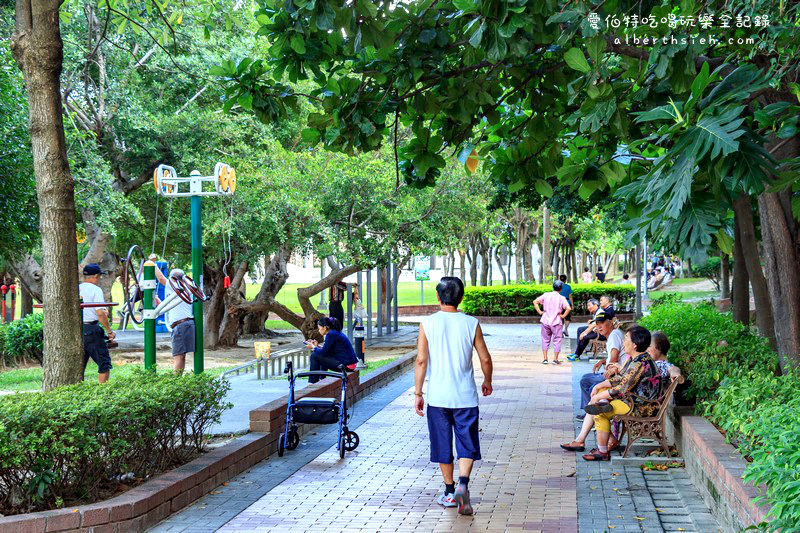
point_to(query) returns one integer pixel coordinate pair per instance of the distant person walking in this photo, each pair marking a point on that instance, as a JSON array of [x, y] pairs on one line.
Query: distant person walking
[[601, 276], [444, 352], [586, 277], [556, 309], [566, 292]]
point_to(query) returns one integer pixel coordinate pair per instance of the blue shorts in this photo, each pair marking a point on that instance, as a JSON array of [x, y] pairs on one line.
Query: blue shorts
[[443, 422]]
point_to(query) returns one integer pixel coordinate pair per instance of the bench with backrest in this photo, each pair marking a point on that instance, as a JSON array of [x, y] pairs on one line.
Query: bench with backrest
[[651, 427]]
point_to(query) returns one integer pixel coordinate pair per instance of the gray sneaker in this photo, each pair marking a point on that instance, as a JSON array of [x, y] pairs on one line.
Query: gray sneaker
[[462, 499], [446, 500]]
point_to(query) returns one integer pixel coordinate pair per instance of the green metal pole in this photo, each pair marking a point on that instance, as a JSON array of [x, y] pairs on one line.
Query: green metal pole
[[149, 323], [197, 273]]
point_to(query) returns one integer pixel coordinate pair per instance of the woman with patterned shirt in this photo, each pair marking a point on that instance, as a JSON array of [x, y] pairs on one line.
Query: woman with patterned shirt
[[639, 376]]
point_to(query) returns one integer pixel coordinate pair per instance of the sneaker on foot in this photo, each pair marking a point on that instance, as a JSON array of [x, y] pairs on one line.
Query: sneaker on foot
[[462, 499], [446, 500], [573, 357]]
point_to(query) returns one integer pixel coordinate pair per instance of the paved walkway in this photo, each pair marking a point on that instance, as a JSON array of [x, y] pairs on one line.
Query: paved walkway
[[524, 482]]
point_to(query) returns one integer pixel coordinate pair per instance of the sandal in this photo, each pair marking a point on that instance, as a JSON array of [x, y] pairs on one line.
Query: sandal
[[614, 447], [597, 456], [598, 408], [574, 446], [544, 362]]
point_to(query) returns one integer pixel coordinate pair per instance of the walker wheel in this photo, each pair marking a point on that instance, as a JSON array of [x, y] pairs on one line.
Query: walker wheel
[[341, 446], [280, 445], [294, 440], [351, 441]]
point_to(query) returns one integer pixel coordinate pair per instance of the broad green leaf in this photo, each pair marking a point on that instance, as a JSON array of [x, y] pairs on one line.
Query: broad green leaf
[[310, 135], [543, 188], [576, 60], [596, 47], [298, 43], [724, 242]]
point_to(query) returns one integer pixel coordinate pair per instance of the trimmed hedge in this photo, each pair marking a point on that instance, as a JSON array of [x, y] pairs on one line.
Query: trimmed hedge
[[74, 443], [517, 300], [24, 339], [734, 375]]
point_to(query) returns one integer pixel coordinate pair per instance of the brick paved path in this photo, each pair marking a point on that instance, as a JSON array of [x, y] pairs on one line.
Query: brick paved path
[[524, 482]]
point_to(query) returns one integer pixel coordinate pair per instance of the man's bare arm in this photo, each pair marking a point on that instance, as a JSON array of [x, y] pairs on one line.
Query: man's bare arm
[[420, 369], [486, 360]]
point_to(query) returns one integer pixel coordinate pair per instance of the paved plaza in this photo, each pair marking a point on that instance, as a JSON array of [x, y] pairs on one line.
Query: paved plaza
[[525, 482]]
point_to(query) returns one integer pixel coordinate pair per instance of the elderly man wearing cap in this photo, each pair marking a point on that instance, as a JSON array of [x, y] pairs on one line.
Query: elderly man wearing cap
[[180, 319], [94, 338]]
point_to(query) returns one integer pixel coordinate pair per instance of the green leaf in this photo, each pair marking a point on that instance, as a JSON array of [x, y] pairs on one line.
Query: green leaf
[[217, 70], [298, 43], [516, 186], [427, 35], [543, 188], [310, 135], [596, 48], [467, 6], [475, 40], [724, 242], [576, 60]]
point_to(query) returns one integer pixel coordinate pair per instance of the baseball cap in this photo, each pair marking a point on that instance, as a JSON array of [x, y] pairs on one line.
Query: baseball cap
[[602, 316], [92, 269]]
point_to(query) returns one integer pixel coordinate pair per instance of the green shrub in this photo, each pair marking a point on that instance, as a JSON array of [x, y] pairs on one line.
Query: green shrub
[[709, 345], [24, 338], [5, 359], [734, 377], [69, 444], [517, 300]]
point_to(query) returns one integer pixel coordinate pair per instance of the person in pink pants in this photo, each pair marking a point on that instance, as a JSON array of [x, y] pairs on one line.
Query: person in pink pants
[[554, 309]]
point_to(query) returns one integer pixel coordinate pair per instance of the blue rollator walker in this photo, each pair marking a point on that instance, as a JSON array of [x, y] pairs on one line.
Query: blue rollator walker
[[311, 410]]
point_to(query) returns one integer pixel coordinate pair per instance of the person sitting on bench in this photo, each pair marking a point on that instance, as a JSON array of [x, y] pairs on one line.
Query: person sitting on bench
[[336, 350]]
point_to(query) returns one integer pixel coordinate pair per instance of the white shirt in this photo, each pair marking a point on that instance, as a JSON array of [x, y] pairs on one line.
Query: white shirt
[[91, 294], [615, 340], [451, 377], [180, 311]]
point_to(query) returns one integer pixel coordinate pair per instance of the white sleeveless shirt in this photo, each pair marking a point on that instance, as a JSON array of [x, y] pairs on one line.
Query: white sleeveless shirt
[[451, 377]]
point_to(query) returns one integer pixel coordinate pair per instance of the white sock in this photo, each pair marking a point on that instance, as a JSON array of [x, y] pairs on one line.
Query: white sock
[[603, 449]]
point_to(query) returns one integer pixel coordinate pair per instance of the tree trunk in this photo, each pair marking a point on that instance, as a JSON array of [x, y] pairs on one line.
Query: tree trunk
[[780, 239], [462, 256], [214, 309], [740, 297], [484, 253], [743, 211], [37, 48], [547, 270], [25, 303], [231, 326], [498, 258], [473, 261], [527, 263], [726, 275]]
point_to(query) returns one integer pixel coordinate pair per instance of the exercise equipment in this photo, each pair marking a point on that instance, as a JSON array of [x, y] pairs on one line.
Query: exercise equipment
[[4, 290], [168, 184]]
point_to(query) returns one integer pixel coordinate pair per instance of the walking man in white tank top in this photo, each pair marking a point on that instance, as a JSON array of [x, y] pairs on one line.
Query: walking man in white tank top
[[444, 352]]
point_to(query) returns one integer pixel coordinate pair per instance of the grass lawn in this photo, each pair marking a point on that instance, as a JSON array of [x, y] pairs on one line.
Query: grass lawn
[[686, 295], [29, 379]]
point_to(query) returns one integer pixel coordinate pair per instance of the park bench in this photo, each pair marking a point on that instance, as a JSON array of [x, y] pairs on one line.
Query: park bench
[[651, 427]]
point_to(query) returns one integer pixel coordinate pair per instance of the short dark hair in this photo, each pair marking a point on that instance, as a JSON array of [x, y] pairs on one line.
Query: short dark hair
[[586, 269], [563, 278], [558, 285], [640, 337], [450, 290], [625, 276], [329, 322], [599, 268], [661, 341]]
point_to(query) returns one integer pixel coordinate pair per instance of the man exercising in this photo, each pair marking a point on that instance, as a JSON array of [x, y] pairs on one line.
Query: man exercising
[[94, 338], [180, 319]]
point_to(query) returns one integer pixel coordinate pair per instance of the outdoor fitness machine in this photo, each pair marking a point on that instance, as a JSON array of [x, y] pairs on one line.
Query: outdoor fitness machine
[[168, 184]]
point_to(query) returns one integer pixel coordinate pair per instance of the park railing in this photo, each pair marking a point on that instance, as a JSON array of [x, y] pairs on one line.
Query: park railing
[[273, 365]]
